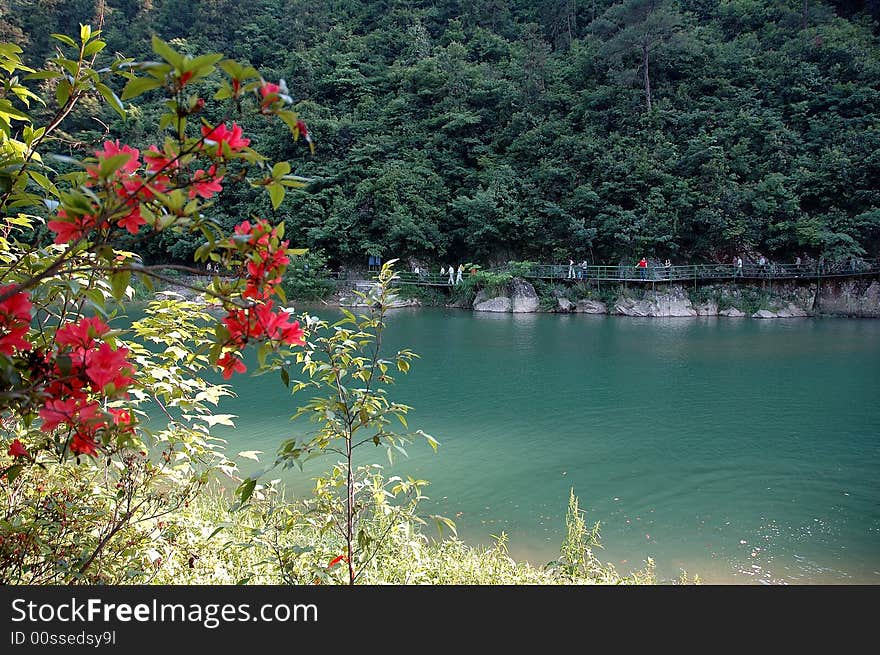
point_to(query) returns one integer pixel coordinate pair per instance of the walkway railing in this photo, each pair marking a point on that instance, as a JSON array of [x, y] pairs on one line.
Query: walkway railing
[[632, 273], [626, 273]]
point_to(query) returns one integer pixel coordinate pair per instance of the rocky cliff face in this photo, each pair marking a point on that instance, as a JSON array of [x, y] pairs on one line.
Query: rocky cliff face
[[855, 298], [675, 302], [521, 298], [859, 298]]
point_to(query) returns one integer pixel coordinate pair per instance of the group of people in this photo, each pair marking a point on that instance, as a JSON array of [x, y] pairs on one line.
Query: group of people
[[582, 270], [454, 274]]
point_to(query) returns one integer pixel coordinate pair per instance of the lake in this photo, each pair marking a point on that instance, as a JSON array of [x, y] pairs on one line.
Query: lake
[[742, 450]]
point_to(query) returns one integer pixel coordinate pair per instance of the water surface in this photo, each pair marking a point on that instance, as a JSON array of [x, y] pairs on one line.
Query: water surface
[[742, 450]]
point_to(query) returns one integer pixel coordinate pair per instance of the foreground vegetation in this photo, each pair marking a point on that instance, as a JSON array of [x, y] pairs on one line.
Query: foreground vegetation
[[250, 548]]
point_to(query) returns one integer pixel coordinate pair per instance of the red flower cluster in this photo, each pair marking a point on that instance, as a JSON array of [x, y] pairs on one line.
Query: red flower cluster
[[132, 189], [80, 372], [15, 319], [17, 449], [270, 92], [219, 134], [84, 370], [205, 184], [121, 180], [267, 258]]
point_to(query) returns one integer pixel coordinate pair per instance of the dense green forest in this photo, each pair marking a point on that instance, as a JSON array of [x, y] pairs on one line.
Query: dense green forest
[[484, 130]]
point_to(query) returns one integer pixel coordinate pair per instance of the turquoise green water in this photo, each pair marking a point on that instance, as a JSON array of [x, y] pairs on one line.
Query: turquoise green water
[[742, 450]]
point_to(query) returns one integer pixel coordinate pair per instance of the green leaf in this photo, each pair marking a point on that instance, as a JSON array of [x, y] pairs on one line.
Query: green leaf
[[285, 377], [93, 47], [204, 64], [119, 283], [44, 182], [64, 39], [245, 490], [85, 32], [12, 472], [111, 98], [62, 93], [280, 169], [276, 194], [219, 419], [44, 75], [167, 53], [262, 352], [139, 85], [111, 164]]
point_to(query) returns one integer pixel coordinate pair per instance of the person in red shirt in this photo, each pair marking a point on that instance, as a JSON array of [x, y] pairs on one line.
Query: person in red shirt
[[643, 267]]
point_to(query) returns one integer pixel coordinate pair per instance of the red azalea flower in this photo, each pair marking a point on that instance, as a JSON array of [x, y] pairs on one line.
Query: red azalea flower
[[17, 449], [69, 229], [57, 411], [336, 560], [157, 160], [220, 135], [84, 443], [15, 320], [293, 334], [268, 88], [121, 416], [185, 77], [136, 188], [276, 326], [132, 221], [107, 366], [111, 149], [205, 184], [270, 93], [230, 364], [81, 335]]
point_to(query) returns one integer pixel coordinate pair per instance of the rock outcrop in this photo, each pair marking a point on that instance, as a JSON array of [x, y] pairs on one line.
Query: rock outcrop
[[791, 311], [674, 303], [590, 307], [523, 297], [709, 308], [764, 313], [497, 304]]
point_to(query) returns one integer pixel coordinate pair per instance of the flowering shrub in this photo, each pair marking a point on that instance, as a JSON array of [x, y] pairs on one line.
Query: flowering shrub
[[71, 386], [64, 375]]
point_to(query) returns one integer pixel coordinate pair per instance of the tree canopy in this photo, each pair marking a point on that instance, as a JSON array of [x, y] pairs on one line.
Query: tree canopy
[[487, 131]]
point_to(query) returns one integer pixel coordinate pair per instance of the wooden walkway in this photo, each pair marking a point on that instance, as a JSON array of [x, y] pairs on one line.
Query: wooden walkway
[[693, 273]]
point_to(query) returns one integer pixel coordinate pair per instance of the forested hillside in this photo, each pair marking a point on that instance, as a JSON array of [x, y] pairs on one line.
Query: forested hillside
[[484, 130]]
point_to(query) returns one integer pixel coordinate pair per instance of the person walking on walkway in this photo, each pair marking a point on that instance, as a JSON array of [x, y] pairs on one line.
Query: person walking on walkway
[[643, 268], [570, 269], [451, 275], [739, 267], [458, 274]]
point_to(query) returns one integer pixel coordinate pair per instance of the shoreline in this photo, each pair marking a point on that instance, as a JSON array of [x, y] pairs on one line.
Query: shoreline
[[847, 299]]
